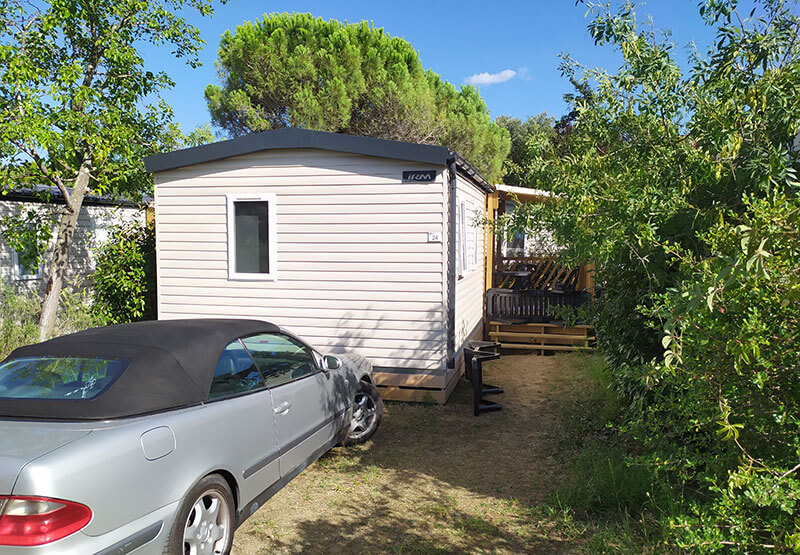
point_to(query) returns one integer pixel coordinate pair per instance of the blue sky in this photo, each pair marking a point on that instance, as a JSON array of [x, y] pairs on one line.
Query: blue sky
[[518, 40]]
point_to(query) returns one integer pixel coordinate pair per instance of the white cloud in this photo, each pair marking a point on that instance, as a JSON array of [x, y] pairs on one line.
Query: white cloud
[[523, 74], [490, 78]]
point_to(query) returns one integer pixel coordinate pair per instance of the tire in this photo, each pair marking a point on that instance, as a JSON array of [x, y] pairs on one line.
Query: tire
[[367, 415], [213, 531]]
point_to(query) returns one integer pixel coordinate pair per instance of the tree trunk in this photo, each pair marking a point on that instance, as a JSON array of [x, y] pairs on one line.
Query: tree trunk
[[59, 262]]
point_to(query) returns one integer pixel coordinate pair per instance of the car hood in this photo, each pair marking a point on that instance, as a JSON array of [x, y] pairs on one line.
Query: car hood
[[356, 363], [24, 441]]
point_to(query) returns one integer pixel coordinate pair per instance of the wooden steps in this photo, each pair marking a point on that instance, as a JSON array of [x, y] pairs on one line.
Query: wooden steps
[[542, 336], [539, 335], [533, 347]]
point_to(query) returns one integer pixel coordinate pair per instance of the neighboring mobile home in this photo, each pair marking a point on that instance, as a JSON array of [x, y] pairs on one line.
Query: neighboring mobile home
[[97, 216], [351, 242]]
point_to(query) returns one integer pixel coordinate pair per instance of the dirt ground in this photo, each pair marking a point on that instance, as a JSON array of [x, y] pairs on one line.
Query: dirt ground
[[436, 479]]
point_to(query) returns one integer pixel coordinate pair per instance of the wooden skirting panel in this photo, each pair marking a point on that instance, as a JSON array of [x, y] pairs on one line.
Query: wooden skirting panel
[[399, 379], [412, 387], [542, 337], [389, 393], [421, 387], [395, 386]]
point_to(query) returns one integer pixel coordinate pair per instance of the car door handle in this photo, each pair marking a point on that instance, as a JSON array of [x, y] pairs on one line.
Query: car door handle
[[283, 408]]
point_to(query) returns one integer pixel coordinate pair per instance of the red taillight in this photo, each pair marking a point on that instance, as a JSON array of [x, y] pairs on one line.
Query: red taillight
[[39, 520]]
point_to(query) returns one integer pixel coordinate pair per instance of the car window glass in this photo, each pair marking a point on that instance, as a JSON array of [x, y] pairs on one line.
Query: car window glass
[[80, 378], [280, 358], [235, 373]]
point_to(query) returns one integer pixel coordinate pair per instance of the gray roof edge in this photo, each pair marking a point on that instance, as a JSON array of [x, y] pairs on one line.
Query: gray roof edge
[[287, 138], [468, 171], [52, 195]]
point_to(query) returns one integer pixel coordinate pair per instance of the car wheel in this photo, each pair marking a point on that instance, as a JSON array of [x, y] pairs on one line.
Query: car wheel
[[204, 525], [367, 414]]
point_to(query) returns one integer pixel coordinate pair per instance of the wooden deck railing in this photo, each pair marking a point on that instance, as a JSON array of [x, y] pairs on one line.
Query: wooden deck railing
[[531, 305], [541, 273]]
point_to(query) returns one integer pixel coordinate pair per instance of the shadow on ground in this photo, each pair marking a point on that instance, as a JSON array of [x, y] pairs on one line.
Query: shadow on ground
[[436, 479]]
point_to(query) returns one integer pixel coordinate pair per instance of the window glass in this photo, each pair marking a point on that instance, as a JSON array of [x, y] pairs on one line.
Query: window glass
[[58, 377], [23, 270], [517, 245], [251, 222], [462, 237], [280, 358], [476, 238], [235, 373]]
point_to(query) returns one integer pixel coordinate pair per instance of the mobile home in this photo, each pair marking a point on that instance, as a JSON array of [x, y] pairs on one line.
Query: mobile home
[[353, 243]]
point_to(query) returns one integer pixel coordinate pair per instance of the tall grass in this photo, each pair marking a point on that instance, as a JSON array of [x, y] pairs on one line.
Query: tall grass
[[622, 505], [19, 317], [19, 314]]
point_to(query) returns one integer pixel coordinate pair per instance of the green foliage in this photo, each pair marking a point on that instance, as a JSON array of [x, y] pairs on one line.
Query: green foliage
[[28, 234], [683, 189], [572, 315], [300, 71], [76, 313], [125, 278], [529, 139], [78, 109], [601, 402], [73, 86], [201, 135]]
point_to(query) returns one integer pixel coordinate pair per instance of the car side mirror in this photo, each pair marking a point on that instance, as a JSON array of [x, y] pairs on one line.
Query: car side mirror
[[331, 362]]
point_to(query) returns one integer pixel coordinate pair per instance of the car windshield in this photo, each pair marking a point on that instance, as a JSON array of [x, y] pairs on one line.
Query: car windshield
[[58, 377]]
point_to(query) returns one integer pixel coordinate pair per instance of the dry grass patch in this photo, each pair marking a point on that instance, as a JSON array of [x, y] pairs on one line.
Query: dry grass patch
[[435, 479]]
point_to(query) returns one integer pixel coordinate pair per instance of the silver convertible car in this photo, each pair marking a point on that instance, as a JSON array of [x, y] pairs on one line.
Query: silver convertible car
[[163, 437]]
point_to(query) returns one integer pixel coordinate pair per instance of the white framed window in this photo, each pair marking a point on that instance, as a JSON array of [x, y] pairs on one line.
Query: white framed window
[[100, 231], [515, 247], [467, 239], [461, 248], [476, 238], [462, 212], [21, 270], [252, 237]]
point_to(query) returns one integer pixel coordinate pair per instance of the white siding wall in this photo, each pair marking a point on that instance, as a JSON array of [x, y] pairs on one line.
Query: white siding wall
[[469, 287], [93, 222], [355, 269]]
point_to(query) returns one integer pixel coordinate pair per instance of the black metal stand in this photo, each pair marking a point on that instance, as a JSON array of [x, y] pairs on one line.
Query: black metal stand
[[474, 356]]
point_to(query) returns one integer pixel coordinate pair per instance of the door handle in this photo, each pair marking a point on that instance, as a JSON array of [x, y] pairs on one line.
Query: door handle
[[283, 408]]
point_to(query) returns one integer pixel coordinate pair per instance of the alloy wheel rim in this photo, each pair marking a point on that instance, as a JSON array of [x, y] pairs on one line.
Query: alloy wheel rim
[[208, 525], [363, 416]]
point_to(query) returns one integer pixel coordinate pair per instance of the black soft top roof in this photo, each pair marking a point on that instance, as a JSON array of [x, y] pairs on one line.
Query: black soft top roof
[[172, 364]]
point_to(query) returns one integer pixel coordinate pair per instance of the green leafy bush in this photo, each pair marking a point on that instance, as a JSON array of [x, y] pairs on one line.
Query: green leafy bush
[[732, 346], [124, 286], [682, 187]]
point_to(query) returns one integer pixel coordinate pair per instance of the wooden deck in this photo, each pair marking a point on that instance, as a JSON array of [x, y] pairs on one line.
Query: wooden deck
[[540, 283], [542, 337], [526, 288]]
